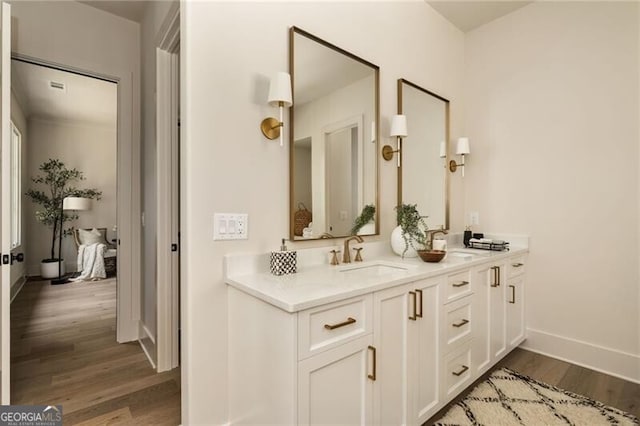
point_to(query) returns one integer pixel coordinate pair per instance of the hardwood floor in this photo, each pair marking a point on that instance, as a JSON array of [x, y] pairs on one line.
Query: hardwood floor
[[607, 389], [64, 351]]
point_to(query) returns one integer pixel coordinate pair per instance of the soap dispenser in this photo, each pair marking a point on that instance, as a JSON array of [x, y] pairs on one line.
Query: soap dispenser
[[283, 262]]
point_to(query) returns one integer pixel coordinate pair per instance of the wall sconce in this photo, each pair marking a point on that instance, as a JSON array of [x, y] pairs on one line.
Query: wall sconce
[[462, 149], [280, 96], [399, 130], [443, 149]]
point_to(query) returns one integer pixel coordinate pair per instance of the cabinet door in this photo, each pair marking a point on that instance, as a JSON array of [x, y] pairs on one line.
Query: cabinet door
[[424, 379], [393, 311], [334, 386], [497, 310], [515, 311], [489, 327]]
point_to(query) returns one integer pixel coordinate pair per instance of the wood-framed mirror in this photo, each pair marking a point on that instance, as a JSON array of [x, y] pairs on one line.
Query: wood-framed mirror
[[422, 176], [333, 167]]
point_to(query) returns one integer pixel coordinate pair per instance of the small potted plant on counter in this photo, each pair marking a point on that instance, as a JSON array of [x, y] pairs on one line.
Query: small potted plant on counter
[[411, 233]]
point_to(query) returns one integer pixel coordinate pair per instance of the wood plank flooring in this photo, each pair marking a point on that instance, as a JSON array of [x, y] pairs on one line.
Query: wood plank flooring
[[607, 389], [64, 351]]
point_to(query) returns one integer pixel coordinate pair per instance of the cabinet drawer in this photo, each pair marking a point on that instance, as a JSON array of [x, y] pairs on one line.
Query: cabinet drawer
[[516, 266], [457, 323], [458, 285], [330, 325], [457, 371]]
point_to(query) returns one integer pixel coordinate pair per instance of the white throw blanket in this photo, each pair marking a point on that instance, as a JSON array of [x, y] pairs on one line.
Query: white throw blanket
[[91, 262]]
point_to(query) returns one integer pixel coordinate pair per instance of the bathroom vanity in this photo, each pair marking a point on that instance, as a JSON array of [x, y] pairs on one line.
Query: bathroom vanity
[[389, 341]]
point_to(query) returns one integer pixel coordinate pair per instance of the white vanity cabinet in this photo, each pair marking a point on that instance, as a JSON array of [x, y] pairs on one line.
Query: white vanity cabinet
[[393, 355]]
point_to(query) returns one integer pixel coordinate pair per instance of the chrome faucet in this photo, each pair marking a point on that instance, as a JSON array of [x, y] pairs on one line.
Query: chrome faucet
[[431, 234], [346, 256]]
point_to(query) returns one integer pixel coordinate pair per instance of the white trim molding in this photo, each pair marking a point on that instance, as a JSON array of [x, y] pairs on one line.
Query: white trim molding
[[148, 344], [616, 363]]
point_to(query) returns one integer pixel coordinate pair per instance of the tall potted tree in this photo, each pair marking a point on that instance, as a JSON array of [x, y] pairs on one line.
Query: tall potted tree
[[59, 182]]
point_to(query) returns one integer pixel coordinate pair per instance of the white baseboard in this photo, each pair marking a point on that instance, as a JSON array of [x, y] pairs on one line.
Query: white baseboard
[[17, 286], [148, 344], [599, 358]]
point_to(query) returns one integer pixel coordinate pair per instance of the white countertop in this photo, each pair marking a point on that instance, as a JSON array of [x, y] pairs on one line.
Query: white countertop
[[317, 284]]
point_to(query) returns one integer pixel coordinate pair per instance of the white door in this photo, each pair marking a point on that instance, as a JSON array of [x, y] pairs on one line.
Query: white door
[[481, 281], [5, 177], [423, 374], [334, 387], [394, 311], [515, 311], [497, 311]]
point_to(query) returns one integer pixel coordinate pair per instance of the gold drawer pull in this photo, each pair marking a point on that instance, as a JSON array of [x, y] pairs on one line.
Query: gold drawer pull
[[496, 276], [419, 297], [414, 316], [460, 284], [517, 265], [461, 323], [513, 294], [340, 324], [373, 376], [462, 370]]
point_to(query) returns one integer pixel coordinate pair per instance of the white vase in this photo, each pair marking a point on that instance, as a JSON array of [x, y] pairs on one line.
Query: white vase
[[398, 245], [49, 270]]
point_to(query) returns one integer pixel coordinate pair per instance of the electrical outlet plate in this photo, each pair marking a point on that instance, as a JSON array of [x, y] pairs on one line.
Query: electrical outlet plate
[[474, 218], [230, 226]]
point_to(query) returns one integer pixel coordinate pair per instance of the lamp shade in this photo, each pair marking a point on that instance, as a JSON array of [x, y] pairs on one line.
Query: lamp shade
[[443, 149], [399, 125], [76, 203], [280, 89], [463, 146]]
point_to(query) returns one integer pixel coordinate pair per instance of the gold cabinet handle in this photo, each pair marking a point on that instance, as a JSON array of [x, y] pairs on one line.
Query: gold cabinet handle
[[373, 375], [517, 265], [419, 296], [496, 276], [513, 294], [460, 284], [340, 324], [461, 323], [462, 370], [413, 297]]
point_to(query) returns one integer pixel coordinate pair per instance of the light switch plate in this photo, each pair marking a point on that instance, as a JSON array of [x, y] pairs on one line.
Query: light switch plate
[[230, 226]]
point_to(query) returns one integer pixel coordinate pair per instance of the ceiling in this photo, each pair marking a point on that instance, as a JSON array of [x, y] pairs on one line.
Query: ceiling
[[132, 10], [84, 99], [468, 15]]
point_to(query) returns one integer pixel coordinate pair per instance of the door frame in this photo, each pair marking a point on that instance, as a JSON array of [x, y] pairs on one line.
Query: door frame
[[127, 212], [168, 177]]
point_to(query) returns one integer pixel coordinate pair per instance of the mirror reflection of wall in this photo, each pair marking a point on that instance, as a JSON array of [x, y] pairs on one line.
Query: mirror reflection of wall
[[333, 160], [423, 171]]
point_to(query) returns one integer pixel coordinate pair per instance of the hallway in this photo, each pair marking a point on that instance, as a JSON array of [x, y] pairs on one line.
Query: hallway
[[63, 351]]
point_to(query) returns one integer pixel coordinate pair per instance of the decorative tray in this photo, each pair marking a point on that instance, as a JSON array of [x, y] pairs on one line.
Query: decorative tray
[[489, 245]]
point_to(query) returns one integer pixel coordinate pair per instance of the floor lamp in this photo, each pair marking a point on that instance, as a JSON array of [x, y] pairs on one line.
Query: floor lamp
[[75, 204]]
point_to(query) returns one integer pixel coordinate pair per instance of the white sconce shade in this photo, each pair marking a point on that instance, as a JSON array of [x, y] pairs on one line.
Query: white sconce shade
[[279, 96], [373, 131], [399, 126], [76, 203], [463, 146], [280, 90], [443, 149]]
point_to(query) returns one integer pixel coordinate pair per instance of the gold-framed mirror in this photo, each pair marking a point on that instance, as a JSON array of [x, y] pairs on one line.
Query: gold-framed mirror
[[422, 176], [333, 167]]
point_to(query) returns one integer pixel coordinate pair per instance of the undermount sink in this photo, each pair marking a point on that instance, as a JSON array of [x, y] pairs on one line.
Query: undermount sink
[[373, 269]]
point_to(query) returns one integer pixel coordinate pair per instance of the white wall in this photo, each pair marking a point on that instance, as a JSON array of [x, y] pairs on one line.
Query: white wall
[[229, 50], [91, 149], [552, 113], [78, 36], [19, 270]]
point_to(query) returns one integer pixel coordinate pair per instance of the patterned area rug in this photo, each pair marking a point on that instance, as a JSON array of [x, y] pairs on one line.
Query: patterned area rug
[[508, 398]]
